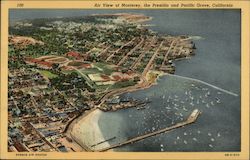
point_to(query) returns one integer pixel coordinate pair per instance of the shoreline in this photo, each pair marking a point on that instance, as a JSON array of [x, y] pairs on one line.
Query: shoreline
[[92, 116], [86, 138]]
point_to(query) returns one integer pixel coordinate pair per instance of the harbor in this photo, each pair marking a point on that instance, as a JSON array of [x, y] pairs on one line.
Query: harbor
[[191, 119]]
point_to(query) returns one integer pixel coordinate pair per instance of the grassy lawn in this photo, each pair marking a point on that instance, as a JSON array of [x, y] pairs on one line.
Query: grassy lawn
[[104, 68], [48, 74], [101, 68]]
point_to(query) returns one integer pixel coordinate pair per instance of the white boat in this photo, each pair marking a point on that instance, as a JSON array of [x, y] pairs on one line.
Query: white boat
[[208, 93], [218, 135], [207, 105], [185, 109], [218, 101]]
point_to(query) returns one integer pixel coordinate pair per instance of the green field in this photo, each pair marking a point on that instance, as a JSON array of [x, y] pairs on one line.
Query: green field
[[104, 68], [101, 68], [48, 74]]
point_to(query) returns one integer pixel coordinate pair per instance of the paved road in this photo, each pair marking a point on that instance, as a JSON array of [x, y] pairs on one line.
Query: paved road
[[145, 71], [138, 60], [169, 49], [130, 52], [119, 49]]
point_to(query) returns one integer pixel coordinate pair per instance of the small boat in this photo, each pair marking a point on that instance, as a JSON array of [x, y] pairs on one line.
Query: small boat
[[140, 108], [207, 105], [176, 100], [185, 109], [208, 93], [198, 102], [218, 101], [218, 134]]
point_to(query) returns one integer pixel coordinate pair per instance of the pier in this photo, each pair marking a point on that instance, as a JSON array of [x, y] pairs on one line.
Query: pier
[[191, 119]]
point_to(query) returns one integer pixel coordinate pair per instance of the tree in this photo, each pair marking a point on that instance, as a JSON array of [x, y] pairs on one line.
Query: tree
[[55, 66]]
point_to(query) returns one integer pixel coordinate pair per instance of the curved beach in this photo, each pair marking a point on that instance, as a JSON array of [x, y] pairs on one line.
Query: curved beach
[[86, 132]]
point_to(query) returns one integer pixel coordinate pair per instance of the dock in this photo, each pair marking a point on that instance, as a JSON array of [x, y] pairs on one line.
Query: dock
[[191, 119]]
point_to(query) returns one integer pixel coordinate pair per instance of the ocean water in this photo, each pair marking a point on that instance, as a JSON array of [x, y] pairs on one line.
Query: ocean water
[[217, 61]]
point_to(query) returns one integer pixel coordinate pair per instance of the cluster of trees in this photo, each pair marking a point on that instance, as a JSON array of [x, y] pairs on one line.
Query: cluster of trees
[[68, 81]]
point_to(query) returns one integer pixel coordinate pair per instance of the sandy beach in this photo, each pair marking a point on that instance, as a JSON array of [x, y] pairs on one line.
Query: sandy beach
[[87, 132]]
